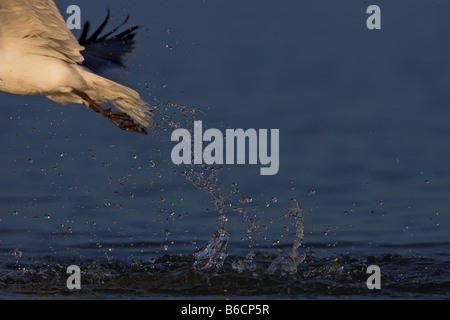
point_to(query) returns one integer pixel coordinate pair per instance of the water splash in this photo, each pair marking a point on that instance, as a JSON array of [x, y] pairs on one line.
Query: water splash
[[287, 264], [213, 255], [245, 264], [248, 262], [206, 179]]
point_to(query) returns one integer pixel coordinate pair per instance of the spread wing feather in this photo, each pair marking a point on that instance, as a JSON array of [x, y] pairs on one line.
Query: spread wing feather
[[37, 26]]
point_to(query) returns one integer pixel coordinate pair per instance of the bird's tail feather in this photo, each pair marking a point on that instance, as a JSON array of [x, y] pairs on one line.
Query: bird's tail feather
[[123, 98]]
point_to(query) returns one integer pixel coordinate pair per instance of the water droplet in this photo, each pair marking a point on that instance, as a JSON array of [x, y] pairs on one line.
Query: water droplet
[[15, 212], [151, 163], [311, 192], [274, 199], [18, 252], [30, 160]]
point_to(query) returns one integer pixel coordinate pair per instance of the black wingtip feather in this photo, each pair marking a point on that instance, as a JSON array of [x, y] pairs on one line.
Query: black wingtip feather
[[105, 54], [126, 35]]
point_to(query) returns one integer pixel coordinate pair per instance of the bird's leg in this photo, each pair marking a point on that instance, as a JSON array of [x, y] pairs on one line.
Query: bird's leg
[[120, 119]]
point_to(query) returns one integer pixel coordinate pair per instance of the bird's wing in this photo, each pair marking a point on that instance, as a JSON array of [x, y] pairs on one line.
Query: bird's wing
[[37, 26], [106, 54]]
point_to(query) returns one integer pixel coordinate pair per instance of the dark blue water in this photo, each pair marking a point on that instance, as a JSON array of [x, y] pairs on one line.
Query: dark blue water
[[364, 147]]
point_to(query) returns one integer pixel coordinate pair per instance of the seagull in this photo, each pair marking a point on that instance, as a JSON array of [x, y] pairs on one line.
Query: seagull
[[39, 55]]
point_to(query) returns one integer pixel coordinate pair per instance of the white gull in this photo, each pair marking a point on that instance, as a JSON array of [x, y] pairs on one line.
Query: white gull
[[39, 55]]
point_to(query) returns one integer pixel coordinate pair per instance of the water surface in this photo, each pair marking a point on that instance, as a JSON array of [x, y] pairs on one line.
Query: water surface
[[363, 119]]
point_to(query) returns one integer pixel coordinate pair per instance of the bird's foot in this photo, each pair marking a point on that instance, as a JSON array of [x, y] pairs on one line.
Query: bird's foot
[[124, 121], [120, 119]]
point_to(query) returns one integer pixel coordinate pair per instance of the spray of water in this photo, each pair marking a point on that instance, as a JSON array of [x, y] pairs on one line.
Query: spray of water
[[287, 264], [211, 257]]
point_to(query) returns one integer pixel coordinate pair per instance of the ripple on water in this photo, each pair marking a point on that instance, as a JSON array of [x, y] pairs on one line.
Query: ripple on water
[[176, 276]]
